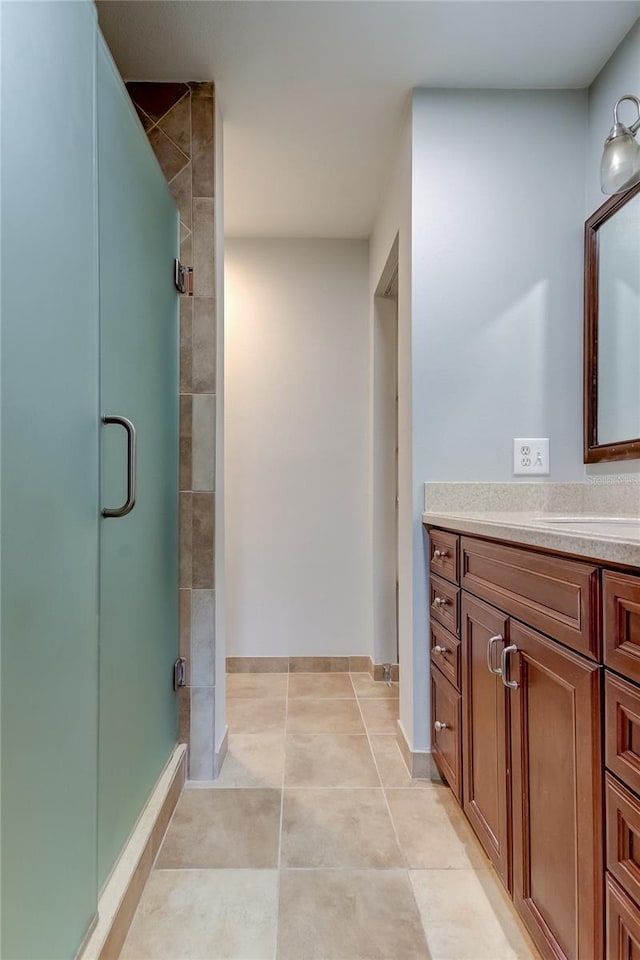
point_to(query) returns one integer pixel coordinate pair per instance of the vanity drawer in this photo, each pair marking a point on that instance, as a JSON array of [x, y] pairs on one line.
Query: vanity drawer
[[623, 836], [623, 924], [559, 597], [446, 740], [622, 623], [444, 554], [622, 729], [444, 602], [445, 653]]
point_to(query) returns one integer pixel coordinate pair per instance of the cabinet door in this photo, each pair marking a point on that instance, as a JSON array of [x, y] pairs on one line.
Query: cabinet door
[[445, 721], [557, 796], [485, 749]]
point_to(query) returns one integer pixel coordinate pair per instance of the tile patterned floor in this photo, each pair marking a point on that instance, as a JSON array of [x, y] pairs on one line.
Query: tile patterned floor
[[315, 844]]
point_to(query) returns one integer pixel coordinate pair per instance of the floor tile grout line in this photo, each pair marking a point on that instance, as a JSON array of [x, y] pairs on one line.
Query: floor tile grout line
[[384, 792], [282, 785], [395, 833]]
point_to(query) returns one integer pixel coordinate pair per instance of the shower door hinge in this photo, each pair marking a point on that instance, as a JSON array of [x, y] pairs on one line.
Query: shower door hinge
[[183, 278], [179, 673]]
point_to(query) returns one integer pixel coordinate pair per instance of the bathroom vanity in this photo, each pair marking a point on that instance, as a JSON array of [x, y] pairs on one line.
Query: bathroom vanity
[[535, 711]]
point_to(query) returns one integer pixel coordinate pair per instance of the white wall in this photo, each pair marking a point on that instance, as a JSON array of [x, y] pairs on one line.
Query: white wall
[[496, 297], [394, 220], [620, 75], [297, 432]]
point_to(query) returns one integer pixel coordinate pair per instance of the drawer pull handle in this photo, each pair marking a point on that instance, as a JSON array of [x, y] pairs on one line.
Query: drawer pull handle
[[511, 684], [440, 726], [439, 649], [440, 554], [497, 671], [441, 601]]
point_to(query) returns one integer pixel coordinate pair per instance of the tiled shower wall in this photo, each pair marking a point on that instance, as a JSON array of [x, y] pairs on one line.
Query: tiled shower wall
[[179, 119]]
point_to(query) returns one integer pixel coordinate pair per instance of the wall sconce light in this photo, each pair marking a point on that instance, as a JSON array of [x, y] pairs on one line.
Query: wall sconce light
[[620, 167]]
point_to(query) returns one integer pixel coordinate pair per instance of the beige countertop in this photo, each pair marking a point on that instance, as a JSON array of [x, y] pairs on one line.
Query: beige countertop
[[579, 534]]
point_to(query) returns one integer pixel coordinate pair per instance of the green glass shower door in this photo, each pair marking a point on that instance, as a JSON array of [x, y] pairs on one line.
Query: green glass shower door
[[138, 641]]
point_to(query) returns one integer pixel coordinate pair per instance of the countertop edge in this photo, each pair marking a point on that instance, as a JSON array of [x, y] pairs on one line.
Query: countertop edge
[[607, 549]]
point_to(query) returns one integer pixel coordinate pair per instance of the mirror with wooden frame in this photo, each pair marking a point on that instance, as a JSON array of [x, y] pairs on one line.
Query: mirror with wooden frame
[[612, 330]]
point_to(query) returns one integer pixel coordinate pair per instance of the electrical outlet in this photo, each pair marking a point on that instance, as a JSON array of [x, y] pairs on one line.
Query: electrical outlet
[[530, 456]]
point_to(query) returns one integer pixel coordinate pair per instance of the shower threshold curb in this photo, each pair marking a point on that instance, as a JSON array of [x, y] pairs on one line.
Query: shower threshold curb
[[121, 893]]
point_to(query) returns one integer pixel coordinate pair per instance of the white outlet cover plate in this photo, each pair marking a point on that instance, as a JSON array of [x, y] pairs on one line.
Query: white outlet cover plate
[[530, 456]]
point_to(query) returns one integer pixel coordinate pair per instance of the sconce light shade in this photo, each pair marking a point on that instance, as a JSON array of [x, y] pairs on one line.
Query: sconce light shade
[[620, 167]]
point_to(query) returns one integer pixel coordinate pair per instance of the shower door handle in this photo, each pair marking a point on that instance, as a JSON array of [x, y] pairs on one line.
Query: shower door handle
[[130, 502]]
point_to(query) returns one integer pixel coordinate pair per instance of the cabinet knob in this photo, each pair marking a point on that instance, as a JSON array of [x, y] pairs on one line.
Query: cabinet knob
[[439, 649], [440, 554], [440, 726], [441, 601]]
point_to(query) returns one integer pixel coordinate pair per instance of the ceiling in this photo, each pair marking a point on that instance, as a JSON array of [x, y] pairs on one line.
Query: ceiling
[[314, 92]]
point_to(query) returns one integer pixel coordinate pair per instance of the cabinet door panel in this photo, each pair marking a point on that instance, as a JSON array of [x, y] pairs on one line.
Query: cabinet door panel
[[557, 796], [623, 925], [485, 731], [446, 740]]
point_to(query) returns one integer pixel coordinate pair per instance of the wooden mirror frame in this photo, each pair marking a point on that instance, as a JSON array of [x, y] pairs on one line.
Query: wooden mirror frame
[[595, 452]]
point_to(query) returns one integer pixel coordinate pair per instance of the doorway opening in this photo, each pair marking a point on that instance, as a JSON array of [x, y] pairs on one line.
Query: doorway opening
[[385, 463]]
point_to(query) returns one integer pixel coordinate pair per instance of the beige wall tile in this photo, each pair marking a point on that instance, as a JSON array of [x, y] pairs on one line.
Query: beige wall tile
[[202, 576], [202, 638], [204, 345], [201, 89], [186, 538], [203, 248], [171, 159], [322, 716], [223, 828], [206, 913], [204, 442], [184, 618], [319, 664], [329, 760], [156, 99], [257, 664], [186, 324], [184, 714], [338, 828], [201, 739], [386, 922], [186, 444], [360, 664], [176, 124], [180, 187], [202, 118]]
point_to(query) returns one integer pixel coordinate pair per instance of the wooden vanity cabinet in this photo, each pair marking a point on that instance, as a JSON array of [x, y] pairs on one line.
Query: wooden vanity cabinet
[[485, 731], [531, 746], [556, 769]]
